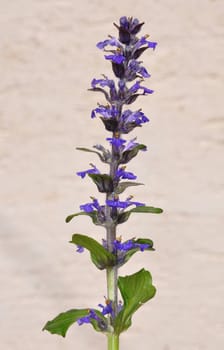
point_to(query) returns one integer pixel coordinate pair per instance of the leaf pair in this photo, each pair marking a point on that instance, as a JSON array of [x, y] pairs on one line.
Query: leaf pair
[[101, 257], [135, 289], [125, 156], [122, 217]]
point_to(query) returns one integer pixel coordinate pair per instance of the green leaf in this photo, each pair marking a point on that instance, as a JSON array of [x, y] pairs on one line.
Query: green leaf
[[125, 184], [102, 158], [60, 324], [129, 154], [136, 290], [93, 215], [131, 252], [141, 209], [103, 182], [101, 257]]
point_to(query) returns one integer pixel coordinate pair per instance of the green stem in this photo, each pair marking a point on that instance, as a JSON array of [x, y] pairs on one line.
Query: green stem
[[113, 342], [112, 272], [112, 339], [112, 286]]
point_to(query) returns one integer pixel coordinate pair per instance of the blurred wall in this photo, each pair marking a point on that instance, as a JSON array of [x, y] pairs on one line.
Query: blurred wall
[[48, 59]]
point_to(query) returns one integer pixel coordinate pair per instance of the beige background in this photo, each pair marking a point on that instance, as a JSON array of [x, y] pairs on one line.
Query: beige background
[[48, 58]]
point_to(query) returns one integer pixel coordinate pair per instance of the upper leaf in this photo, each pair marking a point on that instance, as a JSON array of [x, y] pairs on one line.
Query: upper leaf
[[101, 156], [136, 290], [100, 256], [94, 215], [129, 154], [103, 182], [125, 184], [122, 217]]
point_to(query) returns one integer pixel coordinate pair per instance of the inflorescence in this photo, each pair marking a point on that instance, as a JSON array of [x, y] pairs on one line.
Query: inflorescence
[[124, 54]]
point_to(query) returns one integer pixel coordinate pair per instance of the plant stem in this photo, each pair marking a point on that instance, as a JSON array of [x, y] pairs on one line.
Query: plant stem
[[113, 342], [112, 272], [112, 339]]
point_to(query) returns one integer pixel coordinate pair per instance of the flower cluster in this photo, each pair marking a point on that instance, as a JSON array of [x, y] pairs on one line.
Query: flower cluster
[[124, 56], [92, 315], [106, 309], [87, 319], [130, 244], [119, 247]]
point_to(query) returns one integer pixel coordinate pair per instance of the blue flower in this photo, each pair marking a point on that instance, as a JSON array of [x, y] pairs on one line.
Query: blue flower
[[115, 203], [106, 111], [130, 145], [135, 67], [126, 246], [128, 28], [112, 41], [103, 82], [107, 309], [122, 174], [130, 119], [87, 319], [117, 142], [143, 41], [122, 85], [93, 170], [89, 207], [137, 87], [116, 58], [80, 249]]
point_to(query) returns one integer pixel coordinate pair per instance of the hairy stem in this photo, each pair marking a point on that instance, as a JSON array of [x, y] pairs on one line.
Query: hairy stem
[[112, 272]]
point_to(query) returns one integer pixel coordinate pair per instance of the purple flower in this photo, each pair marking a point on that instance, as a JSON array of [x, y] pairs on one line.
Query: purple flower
[[87, 319], [93, 170], [122, 174], [106, 111], [143, 41], [117, 142], [107, 309], [135, 67], [124, 22], [103, 82], [120, 143], [128, 28], [137, 87], [80, 249], [121, 85], [137, 117], [126, 246], [130, 145], [89, 207], [115, 203], [116, 58], [112, 41]]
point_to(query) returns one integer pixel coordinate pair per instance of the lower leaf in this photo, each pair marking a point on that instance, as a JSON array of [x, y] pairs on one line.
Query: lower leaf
[[60, 324], [136, 290]]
